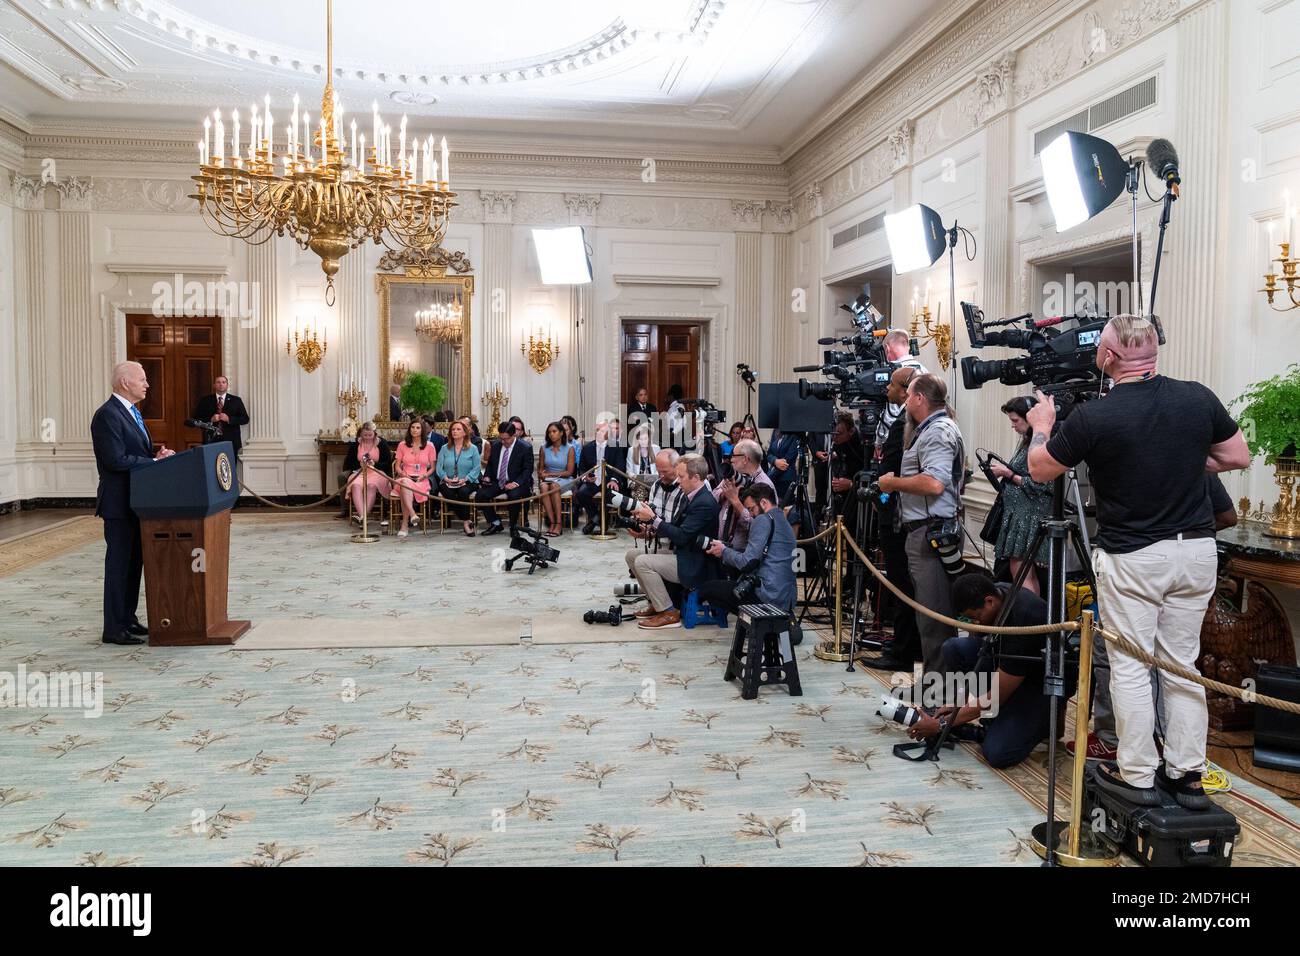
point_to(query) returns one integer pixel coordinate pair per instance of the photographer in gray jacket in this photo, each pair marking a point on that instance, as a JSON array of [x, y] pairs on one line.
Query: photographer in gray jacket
[[769, 556]]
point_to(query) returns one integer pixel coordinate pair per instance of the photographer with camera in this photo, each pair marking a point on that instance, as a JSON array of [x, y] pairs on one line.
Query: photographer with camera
[[1021, 712], [689, 530], [905, 648], [665, 497], [929, 488], [896, 346], [766, 565], [1148, 445], [747, 471]]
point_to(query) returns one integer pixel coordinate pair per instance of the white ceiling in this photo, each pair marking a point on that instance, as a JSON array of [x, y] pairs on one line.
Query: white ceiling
[[735, 72]]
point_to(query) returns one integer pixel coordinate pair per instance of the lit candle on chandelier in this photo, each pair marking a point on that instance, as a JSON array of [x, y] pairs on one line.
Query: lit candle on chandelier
[[401, 144], [446, 162], [255, 140], [362, 165], [221, 137], [374, 126]]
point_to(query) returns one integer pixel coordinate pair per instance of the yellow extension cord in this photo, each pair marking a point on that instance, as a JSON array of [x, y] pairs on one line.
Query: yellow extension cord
[[1215, 779]]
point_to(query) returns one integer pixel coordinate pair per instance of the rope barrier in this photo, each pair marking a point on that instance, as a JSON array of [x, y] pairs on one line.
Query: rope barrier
[[273, 504], [1118, 640]]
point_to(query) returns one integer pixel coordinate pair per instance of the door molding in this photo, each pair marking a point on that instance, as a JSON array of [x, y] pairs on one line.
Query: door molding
[[710, 319]]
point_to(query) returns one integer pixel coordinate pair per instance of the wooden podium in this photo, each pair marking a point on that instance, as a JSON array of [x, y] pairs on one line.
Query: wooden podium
[[184, 503]]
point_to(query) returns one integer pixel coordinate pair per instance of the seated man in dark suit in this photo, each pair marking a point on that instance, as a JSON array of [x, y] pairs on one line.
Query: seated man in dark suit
[[586, 495], [227, 412], [122, 444], [688, 564], [508, 471]]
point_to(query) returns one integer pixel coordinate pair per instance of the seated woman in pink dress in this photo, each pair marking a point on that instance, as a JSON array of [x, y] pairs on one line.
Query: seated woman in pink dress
[[414, 464], [368, 450]]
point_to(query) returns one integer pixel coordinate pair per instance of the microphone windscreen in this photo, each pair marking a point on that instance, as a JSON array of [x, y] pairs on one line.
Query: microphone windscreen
[[1162, 157]]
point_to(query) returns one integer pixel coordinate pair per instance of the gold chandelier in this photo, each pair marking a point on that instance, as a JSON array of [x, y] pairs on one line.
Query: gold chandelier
[[330, 199], [441, 321]]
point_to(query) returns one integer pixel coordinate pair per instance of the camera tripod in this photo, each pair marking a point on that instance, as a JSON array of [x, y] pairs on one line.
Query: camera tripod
[[1056, 530], [818, 589]]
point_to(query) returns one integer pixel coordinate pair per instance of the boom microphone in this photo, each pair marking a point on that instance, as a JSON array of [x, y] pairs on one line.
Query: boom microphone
[[1163, 160], [199, 423]]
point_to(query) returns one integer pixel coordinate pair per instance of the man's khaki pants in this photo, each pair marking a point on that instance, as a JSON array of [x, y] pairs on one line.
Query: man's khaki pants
[[1156, 597], [652, 570]]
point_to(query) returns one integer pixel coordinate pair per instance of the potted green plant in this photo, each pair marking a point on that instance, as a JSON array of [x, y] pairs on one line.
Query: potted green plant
[[423, 394], [1270, 419]]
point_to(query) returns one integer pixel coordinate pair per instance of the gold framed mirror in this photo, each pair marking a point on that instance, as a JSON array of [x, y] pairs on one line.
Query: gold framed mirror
[[424, 326]]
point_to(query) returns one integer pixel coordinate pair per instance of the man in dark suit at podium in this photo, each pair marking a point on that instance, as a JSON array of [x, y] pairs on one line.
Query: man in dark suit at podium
[[226, 412], [122, 444]]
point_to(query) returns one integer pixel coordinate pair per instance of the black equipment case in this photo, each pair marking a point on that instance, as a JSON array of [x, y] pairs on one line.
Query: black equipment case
[[1167, 835]]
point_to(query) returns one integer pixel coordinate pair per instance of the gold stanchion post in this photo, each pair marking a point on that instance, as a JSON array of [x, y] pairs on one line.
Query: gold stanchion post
[[365, 537], [1092, 852], [604, 535], [833, 650]]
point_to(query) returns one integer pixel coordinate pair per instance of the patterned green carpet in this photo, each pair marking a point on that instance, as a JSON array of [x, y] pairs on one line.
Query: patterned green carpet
[[631, 752]]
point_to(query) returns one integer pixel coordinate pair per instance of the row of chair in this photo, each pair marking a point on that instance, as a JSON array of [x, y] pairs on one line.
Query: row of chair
[[390, 512]]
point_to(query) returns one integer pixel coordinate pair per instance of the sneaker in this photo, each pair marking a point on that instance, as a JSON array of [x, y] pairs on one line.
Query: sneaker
[[1107, 778], [1187, 789], [669, 618], [1097, 749]]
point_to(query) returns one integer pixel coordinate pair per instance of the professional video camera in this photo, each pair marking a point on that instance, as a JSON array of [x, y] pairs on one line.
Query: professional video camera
[[536, 553], [1060, 361], [706, 412]]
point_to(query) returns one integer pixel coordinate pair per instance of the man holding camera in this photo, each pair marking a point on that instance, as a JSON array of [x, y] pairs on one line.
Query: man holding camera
[[906, 645], [746, 471], [896, 345], [665, 496], [1020, 717], [695, 524], [929, 489], [1148, 444], [766, 565]]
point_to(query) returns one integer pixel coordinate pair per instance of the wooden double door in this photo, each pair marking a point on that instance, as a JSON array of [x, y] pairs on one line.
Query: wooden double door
[[658, 355], [181, 356]]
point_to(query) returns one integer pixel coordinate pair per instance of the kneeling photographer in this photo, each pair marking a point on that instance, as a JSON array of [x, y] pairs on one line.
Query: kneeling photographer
[[766, 565], [689, 529], [1021, 712], [929, 489]]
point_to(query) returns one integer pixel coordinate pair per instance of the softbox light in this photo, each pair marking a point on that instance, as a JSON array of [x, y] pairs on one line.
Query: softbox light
[[1083, 175], [916, 238], [562, 256]]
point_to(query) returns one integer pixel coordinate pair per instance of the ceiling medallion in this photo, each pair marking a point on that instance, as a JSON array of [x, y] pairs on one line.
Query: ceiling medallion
[[94, 83], [332, 198], [412, 98]]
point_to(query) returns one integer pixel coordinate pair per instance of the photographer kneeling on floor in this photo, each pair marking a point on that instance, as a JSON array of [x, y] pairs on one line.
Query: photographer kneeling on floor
[[1021, 712], [766, 565]]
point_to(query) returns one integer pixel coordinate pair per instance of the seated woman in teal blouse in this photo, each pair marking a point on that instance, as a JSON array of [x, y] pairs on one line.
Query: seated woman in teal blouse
[[458, 471]]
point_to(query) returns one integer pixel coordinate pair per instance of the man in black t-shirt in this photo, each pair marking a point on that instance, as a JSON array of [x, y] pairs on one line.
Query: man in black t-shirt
[[1021, 712], [1148, 444]]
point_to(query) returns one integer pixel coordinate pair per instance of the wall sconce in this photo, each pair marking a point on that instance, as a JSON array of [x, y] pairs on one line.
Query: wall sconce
[[401, 369], [540, 352], [936, 331], [308, 348], [1285, 259]]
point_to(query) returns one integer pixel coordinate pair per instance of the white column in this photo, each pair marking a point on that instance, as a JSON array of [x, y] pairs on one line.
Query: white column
[[498, 232], [263, 345], [1189, 297], [83, 382], [29, 304], [356, 289]]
